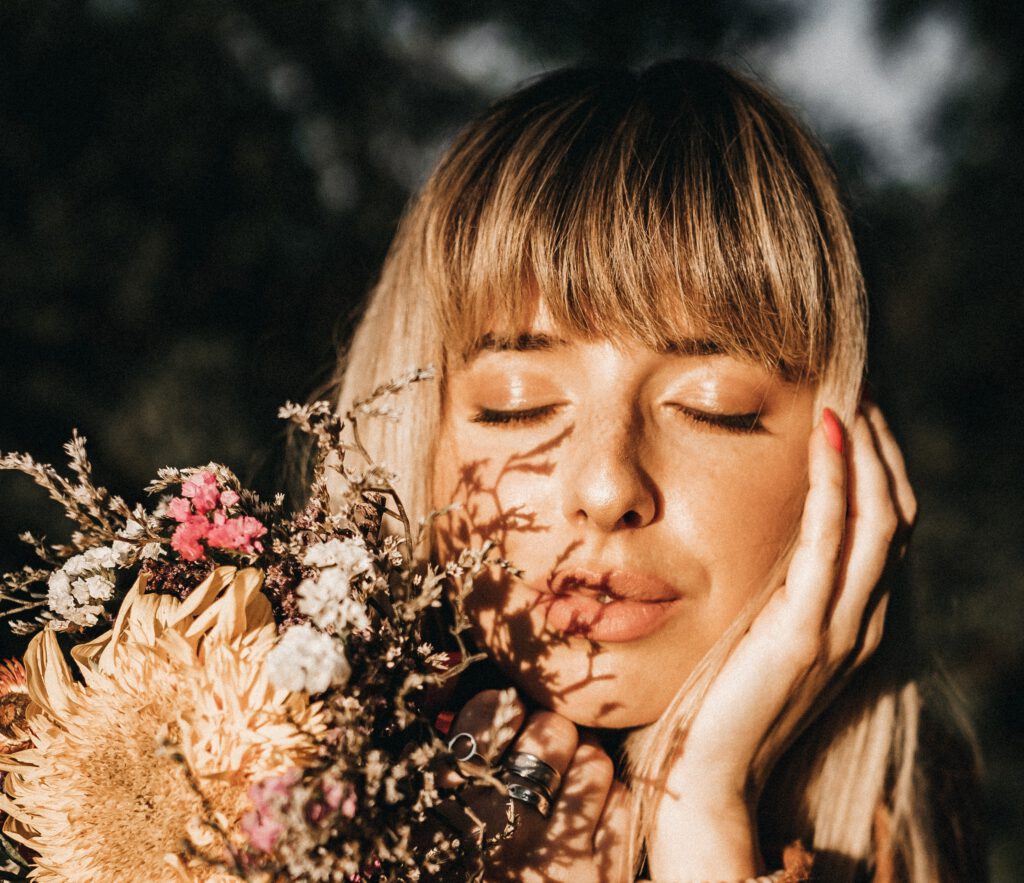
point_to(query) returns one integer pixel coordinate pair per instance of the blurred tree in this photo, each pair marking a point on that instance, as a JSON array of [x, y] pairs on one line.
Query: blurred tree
[[948, 270], [196, 191]]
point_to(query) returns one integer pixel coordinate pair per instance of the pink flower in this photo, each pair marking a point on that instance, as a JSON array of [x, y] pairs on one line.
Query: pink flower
[[201, 513], [333, 792], [263, 824], [349, 805], [261, 831], [179, 509], [187, 536], [202, 489], [275, 790], [240, 533]]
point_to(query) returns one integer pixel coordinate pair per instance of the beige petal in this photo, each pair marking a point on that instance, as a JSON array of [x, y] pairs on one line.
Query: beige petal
[[87, 655], [228, 617], [203, 595], [150, 615], [13, 828], [111, 639], [50, 684]]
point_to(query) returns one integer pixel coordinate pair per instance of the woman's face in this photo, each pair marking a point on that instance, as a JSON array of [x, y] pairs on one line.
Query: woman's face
[[645, 496]]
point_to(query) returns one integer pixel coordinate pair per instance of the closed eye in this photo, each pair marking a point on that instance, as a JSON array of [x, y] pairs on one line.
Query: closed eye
[[739, 423], [522, 417]]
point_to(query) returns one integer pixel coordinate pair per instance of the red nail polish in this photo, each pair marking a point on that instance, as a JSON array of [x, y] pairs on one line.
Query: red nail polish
[[833, 429], [444, 722]]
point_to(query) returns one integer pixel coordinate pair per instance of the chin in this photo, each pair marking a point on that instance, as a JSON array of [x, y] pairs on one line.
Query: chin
[[598, 709]]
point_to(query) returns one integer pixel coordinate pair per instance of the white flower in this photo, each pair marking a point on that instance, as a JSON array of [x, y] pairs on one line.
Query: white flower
[[58, 594], [67, 599], [348, 554], [72, 591], [151, 550], [327, 602], [96, 587], [76, 565], [132, 530], [123, 552], [307, 659]]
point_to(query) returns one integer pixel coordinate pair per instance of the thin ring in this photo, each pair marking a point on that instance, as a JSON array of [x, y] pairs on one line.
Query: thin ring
[[533, 799], [473, 754], [533, 769]]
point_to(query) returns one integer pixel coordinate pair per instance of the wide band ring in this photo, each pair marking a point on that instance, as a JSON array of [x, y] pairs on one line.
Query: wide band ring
[[533, 799], [472, 756], [533, 769]]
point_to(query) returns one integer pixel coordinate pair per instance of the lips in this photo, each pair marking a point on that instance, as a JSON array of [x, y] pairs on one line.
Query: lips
[[607, 606]]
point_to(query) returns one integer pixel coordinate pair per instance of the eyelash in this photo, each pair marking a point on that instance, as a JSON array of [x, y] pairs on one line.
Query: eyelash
[[743, 424], [491, 417]]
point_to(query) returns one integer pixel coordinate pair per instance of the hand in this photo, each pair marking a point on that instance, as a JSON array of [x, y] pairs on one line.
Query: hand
[[826, 619], [583, 839]]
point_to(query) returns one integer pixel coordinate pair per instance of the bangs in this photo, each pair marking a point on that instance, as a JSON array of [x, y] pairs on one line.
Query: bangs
[[678, 203]]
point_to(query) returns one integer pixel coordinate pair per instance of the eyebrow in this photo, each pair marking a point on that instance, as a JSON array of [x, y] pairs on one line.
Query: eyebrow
[[693, 346], [520, 343], [532, 342]]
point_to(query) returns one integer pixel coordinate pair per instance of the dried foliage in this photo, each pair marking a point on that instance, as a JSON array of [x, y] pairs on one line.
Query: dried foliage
[[356, 615]]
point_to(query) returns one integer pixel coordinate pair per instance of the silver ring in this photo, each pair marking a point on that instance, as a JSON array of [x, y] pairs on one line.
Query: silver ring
[[472, 755], [533, 799], [533, 769]]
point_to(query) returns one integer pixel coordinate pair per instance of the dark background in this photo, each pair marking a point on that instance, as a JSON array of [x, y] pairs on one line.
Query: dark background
[[195, 196]]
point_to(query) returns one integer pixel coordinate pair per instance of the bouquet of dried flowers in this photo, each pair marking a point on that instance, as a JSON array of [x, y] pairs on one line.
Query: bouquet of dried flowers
[[248, 693]]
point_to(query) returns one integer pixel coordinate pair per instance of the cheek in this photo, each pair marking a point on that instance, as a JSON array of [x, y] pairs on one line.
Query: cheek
[[740, 514], [498, 494]]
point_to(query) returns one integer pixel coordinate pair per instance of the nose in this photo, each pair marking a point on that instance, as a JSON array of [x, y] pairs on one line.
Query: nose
[[605, 484]]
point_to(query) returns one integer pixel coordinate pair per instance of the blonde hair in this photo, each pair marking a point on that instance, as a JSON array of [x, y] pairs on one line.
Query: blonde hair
[[648, 206]]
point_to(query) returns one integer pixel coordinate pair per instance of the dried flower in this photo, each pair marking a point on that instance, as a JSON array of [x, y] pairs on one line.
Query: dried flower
[[188, 676], [270, 798], [13, 702], [190, 748], [326, 598], [202, 490], [307, 659], [77, 591], [201, 513]]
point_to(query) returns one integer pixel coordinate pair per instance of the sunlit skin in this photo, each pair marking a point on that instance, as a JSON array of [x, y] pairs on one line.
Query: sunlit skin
[[691, 470], [687, 466]]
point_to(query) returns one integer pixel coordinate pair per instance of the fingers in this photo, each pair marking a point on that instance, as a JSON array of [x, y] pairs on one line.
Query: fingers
[[583, 795], [872, 635], [492, 718], [550, 737], [883, 508], [585, 770], [857, 500], [812, 571], [482, 730], [892, 456], [611, 851], [871, 526], [554, 740]]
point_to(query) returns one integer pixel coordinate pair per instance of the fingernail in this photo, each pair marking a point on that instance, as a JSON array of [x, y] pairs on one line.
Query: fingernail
[[444, 722], [833, 429]]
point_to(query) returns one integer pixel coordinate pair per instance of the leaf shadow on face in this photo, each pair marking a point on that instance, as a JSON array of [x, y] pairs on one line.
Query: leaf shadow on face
[[526, 655]]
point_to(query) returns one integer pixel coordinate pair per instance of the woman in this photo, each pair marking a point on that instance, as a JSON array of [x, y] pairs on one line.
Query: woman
[[645, 310]]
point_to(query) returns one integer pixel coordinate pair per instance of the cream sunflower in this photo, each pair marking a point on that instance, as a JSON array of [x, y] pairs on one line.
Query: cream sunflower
[[173, 700]]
